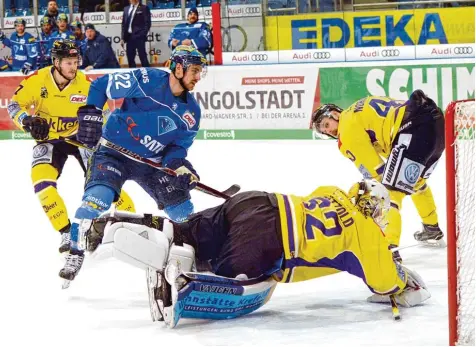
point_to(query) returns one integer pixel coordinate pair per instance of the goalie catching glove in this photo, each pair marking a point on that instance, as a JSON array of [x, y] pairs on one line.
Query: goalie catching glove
[[90, 122], [187, 178], [38, 127]]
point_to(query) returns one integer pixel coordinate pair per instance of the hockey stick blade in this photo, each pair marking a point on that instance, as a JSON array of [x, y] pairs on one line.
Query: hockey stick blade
[[232, 190], [66, 284], [395, 310]]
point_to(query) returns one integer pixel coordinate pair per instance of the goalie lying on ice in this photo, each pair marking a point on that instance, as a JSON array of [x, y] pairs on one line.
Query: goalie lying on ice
[[254, 240]]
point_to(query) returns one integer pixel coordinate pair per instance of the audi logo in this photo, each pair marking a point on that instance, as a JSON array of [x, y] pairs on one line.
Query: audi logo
[[463, 50], [252, 10], [97, 17], [321, 55], [173, 15], [259, 57], [390, 53]]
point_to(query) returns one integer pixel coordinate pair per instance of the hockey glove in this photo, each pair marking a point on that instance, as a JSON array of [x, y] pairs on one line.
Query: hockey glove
[[187, 178], [90, 121], [26, 68], [38, 127]]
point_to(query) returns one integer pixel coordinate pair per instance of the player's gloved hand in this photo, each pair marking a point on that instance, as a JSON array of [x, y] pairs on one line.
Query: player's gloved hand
[[26, 68], [90, 121], [38, 127], [187, 178]]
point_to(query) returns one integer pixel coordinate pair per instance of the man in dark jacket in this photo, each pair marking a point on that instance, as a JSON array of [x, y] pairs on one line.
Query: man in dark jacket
[[136, 22], [98, 53]]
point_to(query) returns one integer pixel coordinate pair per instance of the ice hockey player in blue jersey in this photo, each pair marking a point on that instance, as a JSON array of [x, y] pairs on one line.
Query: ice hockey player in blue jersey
[[45, 39], [193, 33], [158, 120], [23, 46]]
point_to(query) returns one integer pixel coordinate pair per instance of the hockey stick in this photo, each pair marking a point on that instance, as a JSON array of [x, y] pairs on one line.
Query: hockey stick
[[395, 310], [226, 194]]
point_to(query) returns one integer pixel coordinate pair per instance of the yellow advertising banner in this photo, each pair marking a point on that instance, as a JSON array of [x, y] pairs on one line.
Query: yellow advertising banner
[[370, 29]]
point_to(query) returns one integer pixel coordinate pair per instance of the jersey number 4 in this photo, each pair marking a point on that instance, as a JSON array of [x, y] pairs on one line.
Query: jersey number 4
[[382, 107]]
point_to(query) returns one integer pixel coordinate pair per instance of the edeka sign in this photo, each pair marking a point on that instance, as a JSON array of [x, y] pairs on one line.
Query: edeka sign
[[370, 29], [443, 83]]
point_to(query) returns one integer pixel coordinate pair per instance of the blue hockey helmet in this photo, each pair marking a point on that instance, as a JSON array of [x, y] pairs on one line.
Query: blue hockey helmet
[[20, 21], [186, 56]]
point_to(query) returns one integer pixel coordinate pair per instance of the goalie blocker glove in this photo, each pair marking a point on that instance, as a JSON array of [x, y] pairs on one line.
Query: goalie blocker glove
[[90, 122], [187, 178], [38, 127]]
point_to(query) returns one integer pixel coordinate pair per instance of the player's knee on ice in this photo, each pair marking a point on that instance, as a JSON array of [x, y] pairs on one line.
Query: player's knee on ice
[[179, 212]]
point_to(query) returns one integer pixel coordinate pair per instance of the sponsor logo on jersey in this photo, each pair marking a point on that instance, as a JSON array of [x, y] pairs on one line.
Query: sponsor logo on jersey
[[188, 118], [131, 124], [39, 151], [43, 92], [109, 168], [46, 208], [412, 173], [62, 123], [151, 144], [78, 98]]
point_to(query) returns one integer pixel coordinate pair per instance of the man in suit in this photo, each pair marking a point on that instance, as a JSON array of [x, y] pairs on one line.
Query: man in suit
[[136, 24]]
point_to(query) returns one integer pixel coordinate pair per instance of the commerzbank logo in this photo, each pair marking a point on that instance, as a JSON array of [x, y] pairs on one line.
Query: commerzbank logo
[[219, 135]]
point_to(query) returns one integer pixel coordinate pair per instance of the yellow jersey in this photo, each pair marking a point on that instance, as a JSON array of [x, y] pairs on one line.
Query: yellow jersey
[[324, 233], [38, 94], [366, 132]]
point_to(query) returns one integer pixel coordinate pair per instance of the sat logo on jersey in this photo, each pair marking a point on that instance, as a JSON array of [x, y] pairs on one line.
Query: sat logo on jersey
[[78, 98], [188, 118]]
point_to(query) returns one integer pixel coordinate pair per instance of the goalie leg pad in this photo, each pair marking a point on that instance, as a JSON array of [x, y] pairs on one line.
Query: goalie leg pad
[[135, 244], [215, 297]]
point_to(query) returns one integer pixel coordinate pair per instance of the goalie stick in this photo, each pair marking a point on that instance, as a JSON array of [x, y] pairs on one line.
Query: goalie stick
[[225, 194]]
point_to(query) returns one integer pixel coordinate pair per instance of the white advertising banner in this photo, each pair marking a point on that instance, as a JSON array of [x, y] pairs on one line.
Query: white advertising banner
[[9, 22], [251, 58], [460, 50], [90, 17], [250, 98], [312, 55], [380, 53]]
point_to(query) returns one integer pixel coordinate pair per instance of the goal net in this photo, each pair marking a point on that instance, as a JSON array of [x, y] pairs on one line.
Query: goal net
[[461, 211]]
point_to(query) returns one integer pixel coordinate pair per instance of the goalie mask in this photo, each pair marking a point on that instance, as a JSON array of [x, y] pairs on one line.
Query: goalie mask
[[372, 200]]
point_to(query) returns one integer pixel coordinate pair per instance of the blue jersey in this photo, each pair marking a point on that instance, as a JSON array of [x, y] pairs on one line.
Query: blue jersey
[[199, 33], [24, 49], [45, 42], [67, 35], [152, 122]]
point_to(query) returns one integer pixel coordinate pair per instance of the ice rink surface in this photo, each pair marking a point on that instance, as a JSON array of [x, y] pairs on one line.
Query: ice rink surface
[[107, 304]]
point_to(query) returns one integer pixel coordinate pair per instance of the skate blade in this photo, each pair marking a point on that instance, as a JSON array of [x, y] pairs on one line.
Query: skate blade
[[433, 243], [66, 284]]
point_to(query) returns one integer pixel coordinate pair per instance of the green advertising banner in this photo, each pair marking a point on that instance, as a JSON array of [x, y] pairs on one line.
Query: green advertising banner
[[443, 83], [241, 134]]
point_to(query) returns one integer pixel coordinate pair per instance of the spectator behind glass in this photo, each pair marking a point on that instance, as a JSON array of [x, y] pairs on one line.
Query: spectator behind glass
[[193, 33], [63, 31], [79, 36], [98, 53], [136, 22], [45, 40], [23, 46], [52, 12]]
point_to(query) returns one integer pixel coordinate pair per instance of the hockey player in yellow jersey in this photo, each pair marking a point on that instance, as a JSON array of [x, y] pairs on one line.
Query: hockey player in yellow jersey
[[255, 235], [397, 142], [45, 104]]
